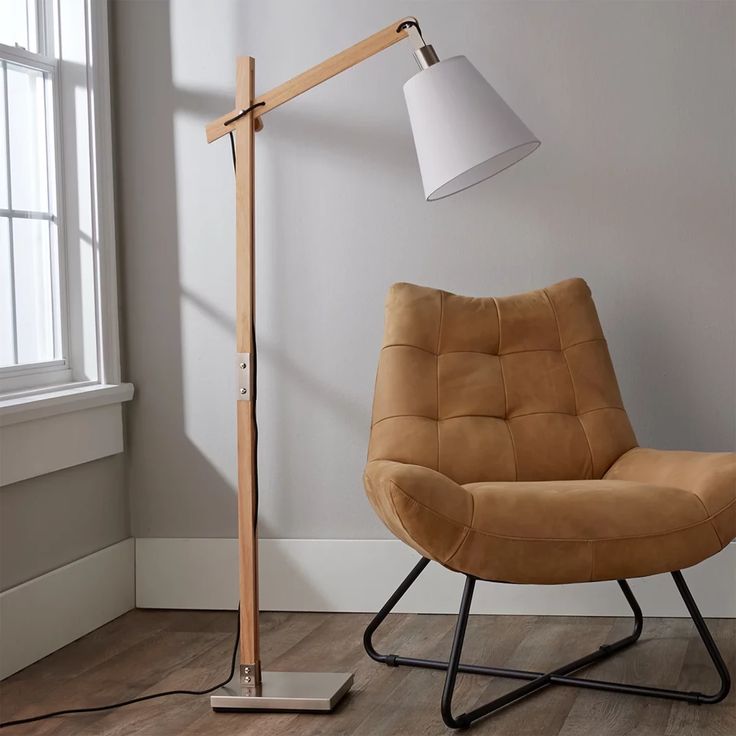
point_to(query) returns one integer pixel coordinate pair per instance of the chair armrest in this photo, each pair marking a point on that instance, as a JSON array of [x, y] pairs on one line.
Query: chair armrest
[[425, 509]]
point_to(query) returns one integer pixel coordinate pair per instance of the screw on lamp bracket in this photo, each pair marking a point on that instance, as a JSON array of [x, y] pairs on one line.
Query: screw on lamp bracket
[[250, 675], [245, 389]]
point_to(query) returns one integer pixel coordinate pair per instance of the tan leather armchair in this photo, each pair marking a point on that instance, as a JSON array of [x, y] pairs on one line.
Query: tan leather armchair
[[501, 449]]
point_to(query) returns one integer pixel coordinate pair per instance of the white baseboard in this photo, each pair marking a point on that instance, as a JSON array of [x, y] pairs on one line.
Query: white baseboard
[[50, 611], [359, 575]]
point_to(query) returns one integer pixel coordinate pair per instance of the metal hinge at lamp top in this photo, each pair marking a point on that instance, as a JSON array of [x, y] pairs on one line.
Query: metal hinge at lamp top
[[245, 388]]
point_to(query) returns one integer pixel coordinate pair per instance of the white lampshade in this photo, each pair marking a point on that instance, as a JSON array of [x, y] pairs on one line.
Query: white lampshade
[[463, 130]]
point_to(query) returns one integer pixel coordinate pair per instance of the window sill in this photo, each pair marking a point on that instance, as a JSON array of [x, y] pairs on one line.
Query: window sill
[[42, 432], [16, 408]]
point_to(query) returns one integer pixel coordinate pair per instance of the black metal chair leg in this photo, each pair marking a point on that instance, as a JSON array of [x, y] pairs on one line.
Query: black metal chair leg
[[708, 641], [454, 661], [635, 609], [394, 660], [538, 680], [378, 619]]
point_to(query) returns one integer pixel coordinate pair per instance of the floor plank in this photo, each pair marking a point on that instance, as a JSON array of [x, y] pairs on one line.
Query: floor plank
[[144, 652], [657, 657]]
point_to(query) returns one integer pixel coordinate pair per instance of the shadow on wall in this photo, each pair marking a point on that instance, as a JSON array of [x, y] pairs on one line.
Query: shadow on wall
[[162, 455]]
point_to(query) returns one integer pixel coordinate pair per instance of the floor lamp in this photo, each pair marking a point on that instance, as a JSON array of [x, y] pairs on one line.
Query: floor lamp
[[464, 133]]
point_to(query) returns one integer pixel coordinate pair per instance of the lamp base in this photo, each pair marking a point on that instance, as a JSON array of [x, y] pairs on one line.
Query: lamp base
[[283, 691]]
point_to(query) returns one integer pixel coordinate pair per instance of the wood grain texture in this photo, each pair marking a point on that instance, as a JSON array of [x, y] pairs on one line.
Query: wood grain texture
[[244, 316], [147, 651], [244, 208], [310, 78]]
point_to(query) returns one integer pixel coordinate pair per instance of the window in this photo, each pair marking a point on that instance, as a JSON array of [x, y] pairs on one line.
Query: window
[[32, 297], [58, 300], [60, 388]]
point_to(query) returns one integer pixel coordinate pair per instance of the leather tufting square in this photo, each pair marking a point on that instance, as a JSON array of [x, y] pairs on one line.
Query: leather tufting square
[[593, 377], [476, 448], [550, 447], [418, 444], [413, 317], [470, 383], [527, 323], [537, 381], [406, 383], [575, 311], [469, 323]]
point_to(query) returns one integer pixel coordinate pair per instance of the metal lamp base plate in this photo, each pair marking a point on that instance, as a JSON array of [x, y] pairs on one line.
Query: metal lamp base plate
[[298, 691]]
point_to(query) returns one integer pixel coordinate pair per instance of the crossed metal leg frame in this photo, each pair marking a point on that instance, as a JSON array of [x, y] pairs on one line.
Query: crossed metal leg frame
[[539, 680]]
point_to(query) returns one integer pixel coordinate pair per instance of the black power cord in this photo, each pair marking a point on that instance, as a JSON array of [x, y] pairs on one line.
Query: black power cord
[[243, 113], [110, 706], [152, 696]]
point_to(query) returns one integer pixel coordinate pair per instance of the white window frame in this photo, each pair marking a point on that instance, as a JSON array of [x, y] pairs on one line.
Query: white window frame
[[87, 391], [56, 371]]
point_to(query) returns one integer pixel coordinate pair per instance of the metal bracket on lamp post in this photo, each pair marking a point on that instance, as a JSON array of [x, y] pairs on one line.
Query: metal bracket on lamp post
[[245, 385]]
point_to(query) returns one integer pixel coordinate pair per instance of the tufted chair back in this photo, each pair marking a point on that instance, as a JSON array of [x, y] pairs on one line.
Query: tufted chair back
[[492, 389]]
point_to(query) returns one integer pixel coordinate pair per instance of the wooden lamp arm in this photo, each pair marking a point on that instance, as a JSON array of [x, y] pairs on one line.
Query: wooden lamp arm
[[361, 51]]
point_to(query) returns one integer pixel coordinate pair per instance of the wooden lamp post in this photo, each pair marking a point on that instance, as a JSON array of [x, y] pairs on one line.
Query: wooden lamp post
[[450, 93]]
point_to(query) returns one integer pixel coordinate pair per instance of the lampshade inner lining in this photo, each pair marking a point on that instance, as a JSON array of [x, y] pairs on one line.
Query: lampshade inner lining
[[484, 170]]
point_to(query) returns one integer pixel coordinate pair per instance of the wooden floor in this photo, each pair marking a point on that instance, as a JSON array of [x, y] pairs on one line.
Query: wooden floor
[[146, 651]]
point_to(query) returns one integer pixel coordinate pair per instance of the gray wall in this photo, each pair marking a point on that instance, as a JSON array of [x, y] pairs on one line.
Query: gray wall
[[633, 189], [54, 519]]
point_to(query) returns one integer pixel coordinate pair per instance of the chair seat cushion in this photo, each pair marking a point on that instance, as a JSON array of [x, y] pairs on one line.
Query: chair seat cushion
[[564, 531], [711, 476]]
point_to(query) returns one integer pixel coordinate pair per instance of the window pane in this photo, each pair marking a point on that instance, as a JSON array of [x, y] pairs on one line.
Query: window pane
[[28, 144], [18, 24], [7, 346], [34, 297], [3, 142]]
